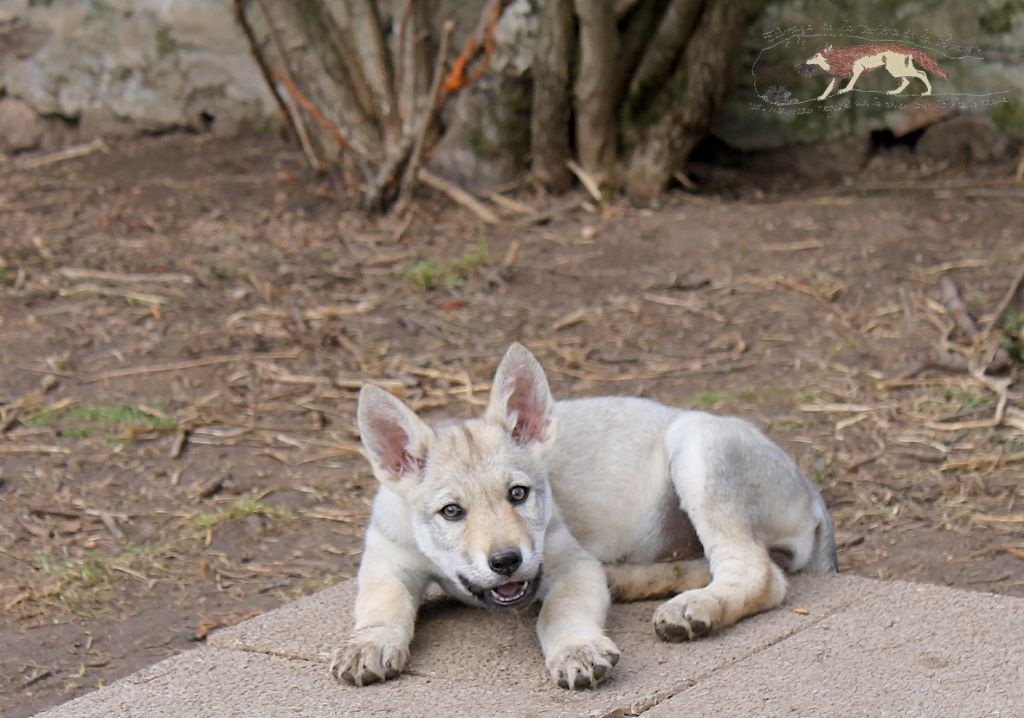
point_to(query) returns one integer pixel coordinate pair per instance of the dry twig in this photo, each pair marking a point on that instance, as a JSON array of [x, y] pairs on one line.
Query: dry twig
[[96, 275], [71, 153], [182, 365]]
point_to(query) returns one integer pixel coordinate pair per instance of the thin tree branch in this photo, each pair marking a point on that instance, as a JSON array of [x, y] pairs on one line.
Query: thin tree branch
[[298, 125], [426, 117], [482, 40], [315, 114], [413, 61], [365, 30], [257, 53]]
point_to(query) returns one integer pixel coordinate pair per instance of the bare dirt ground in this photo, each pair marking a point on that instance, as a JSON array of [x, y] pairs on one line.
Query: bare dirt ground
[[177, 448]]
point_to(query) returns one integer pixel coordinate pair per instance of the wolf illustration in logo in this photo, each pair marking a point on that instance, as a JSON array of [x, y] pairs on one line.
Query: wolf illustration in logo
[[854, 61]]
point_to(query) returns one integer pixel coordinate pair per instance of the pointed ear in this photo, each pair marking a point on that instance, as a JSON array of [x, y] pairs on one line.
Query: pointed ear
[[828, 47], [520, 398], [394, 438]]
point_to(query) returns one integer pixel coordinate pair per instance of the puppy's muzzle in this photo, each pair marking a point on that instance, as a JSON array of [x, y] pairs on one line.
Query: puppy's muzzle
[[506, 595]]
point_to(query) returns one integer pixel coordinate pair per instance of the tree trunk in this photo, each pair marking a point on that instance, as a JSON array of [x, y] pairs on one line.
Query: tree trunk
[[595, 85], [624, 87], [662, 128], [551, 113]]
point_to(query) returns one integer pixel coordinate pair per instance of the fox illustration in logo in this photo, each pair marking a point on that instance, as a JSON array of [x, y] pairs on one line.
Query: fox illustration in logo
[[856, 60]]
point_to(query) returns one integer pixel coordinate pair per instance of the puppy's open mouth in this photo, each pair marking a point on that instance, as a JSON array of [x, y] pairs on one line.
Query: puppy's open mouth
[[506, 595], [509, 594]]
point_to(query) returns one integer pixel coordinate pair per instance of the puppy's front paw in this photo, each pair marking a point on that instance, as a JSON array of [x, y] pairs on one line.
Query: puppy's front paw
[[690, 615], [584, 665], [370, 656]]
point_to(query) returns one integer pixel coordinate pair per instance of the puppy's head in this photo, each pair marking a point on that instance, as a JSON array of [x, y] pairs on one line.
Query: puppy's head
[[477, 490]]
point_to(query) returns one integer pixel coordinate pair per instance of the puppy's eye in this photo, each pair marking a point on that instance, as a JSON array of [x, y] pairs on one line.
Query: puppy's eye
[[452, 512], [518, 494]]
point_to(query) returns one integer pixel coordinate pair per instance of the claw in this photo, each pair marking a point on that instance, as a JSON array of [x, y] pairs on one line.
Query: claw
[[585, 666], [368, 659]]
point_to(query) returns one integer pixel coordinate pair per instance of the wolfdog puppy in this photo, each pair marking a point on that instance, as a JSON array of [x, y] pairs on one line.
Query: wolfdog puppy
[[568, 503]]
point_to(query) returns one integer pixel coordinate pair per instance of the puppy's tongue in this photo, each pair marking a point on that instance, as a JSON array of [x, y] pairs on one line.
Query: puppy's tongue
[[509, 590]]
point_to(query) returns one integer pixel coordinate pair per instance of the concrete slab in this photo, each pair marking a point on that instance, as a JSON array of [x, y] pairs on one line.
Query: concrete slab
[[312, 627], [905, 650], [465, 662]]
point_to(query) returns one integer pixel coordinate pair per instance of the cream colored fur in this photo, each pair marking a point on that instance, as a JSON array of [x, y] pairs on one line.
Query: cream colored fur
[[599, 476]]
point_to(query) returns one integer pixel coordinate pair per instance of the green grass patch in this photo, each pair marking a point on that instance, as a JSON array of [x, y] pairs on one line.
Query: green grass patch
[[790, 424], [82, 582], [757, 393], [1013, 334], [91, 570], [805, 396], [966, 399], [238, 510], [822, 469], [452, 274], [707, 400], [82, 421]]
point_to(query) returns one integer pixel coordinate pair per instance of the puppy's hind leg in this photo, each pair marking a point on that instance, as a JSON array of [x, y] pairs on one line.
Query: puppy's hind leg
[[744, 581], [645, 581]]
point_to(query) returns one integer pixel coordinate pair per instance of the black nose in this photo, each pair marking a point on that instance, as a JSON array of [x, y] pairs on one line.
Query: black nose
[[505, 562]]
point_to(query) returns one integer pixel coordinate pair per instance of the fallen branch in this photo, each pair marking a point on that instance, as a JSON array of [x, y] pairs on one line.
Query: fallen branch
[[458, 195], [71, 153], [586, 179], [512, 205]]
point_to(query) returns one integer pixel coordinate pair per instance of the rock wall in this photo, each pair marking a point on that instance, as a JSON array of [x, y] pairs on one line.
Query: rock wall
[[156, 64]]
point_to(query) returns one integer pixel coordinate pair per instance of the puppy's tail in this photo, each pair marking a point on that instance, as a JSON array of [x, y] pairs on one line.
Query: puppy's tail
[[823, 552]]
